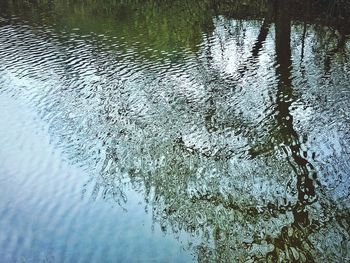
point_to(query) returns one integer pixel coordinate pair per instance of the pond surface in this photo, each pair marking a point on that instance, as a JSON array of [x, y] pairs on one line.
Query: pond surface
[[174, 131]]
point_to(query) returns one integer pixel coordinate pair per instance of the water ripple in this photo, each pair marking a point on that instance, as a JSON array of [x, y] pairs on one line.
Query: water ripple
[[240, 148]]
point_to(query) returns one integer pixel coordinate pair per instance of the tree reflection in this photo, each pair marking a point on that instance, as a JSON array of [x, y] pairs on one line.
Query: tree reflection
[[182, 135], [288, 136], [237, 205]]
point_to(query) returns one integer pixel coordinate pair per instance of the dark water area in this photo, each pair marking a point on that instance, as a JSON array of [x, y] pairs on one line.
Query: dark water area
[[174, 131]]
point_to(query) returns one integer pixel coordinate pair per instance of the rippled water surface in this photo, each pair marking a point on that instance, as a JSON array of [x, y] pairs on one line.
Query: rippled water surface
[[174, 131]]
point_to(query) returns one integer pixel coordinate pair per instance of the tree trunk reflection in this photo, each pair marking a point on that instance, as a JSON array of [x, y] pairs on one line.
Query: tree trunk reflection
[[289, 137]]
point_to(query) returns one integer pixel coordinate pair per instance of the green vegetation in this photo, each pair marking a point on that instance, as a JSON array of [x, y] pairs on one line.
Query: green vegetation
[[145, 127], [145, 25], [156, 26]]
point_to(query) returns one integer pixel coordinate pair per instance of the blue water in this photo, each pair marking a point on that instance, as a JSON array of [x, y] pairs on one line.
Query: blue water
[[173, 132], [48, 214]]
